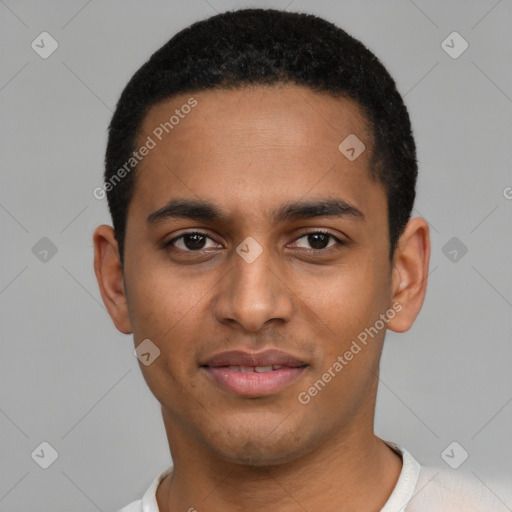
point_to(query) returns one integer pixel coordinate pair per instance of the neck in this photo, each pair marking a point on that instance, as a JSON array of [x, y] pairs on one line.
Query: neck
[[356, 471]]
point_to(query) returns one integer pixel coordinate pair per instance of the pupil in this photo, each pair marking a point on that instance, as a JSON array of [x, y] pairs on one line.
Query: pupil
[[315, 240], [196, 242]]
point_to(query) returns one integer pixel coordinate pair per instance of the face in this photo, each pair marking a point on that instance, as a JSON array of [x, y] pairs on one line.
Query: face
[[253, 241]]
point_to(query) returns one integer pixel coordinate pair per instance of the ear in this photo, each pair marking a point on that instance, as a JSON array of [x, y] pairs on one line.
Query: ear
[[108, 270], [410, 273]]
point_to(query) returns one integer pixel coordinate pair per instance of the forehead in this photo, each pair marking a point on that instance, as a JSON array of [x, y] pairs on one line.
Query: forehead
[[258, 143], [285, 114]]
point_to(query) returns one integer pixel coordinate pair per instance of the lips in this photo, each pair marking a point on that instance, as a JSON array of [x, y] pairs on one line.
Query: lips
[[254, 359], [255, 369], [252, 374]]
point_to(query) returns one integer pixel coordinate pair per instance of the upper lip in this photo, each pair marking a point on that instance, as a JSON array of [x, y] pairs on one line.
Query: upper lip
[[246, 358]]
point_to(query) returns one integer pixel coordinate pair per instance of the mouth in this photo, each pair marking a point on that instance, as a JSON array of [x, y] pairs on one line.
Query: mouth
[[254, 374], [255, 369]]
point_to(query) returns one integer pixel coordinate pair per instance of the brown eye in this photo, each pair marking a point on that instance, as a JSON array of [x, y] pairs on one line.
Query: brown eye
[[194, 241], [319, 240]]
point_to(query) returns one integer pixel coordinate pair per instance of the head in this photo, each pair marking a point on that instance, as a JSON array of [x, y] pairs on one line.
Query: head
[[266, 47], [270, 209]]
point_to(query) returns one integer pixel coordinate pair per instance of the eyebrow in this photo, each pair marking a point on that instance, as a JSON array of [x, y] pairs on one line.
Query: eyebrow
[[295, 210]]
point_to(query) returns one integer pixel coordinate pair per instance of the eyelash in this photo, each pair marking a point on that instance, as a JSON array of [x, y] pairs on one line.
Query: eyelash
[[339, 243]]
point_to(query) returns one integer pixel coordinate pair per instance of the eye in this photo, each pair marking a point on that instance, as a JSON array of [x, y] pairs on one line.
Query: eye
[[190, 242], [319, 240], [196, 241]]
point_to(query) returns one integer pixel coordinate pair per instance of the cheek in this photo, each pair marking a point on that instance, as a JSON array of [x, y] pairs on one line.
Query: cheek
[[346, 300], [171, 324], [159, 296], [163, 315], [169, 310]]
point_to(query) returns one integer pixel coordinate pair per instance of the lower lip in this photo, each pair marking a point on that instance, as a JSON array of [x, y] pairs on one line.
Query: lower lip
[[252, 384]]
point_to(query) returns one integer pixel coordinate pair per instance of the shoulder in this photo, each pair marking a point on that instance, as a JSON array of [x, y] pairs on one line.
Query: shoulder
[[148, 503], [439, 490], [134, 506]]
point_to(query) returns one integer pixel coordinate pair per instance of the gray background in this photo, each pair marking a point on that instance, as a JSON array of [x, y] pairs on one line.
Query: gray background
[[70, 379]]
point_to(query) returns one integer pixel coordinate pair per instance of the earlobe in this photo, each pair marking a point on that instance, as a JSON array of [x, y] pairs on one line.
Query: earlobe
[[107, 267], [410, 273]]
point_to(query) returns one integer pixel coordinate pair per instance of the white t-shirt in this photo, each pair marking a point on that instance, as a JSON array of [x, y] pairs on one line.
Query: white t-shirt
[[418, 489]]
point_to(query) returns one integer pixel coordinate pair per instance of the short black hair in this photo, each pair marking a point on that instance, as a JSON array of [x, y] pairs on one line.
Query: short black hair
[[265, 47]]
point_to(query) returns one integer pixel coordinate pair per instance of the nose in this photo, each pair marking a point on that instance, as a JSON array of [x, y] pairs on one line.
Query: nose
[[253, 293]]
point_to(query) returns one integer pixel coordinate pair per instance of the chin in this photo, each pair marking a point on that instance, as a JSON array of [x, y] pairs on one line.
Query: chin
[[259, 448], [260, 455]]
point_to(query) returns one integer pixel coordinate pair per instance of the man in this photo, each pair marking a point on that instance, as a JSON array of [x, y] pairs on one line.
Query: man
[[261, 173]]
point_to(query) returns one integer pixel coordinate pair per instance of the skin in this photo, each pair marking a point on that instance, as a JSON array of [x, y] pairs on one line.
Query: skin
[[249, 151]]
